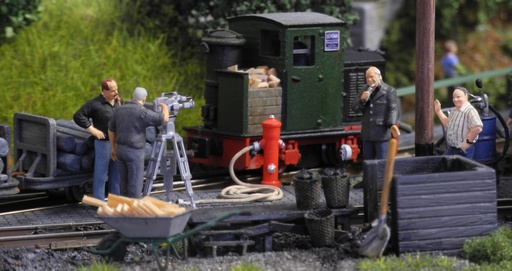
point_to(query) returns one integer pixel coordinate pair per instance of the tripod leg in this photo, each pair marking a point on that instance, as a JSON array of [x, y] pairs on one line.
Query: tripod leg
[[154, 162], [181, 159], [168, 170]]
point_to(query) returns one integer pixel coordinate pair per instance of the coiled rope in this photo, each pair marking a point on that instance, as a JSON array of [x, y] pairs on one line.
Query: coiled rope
[[244, 192]]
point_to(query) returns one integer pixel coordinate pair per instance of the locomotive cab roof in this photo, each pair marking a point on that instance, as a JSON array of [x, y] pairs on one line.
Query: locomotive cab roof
[[291, 19]]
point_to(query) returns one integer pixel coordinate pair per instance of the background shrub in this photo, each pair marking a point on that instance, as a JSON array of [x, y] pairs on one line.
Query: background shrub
[[59, 62], [17, 14]]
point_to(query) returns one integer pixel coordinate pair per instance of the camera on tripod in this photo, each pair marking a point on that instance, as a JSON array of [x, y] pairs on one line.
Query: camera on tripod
[[174, 102]]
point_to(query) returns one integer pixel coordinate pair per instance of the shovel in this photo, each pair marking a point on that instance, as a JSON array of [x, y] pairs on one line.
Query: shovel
[[377, 238]]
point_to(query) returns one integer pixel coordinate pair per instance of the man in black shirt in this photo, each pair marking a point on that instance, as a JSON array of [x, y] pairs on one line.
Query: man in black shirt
[[94, 116], [380, 106]]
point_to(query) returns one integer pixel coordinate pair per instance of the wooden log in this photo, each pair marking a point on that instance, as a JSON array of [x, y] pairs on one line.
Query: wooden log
[[71, 125], [71, 128], [80, 146], [4, 147], [68, 161], [65, 143], [87, 160], [93, 201]]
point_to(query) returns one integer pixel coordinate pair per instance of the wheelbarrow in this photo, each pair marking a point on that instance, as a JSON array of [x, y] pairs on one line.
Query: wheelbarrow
[[154, 230]]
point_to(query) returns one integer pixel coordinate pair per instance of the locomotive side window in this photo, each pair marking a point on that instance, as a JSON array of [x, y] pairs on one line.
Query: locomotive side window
[[270, 43], [302, 51]]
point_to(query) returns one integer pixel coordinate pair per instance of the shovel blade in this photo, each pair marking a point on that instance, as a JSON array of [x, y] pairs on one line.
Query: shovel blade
[[375, 241]]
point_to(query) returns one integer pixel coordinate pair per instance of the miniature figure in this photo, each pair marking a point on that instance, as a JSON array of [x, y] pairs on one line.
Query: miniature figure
[[463, 124], [94, 116], [451, 66], [381, 109], [127, 132]]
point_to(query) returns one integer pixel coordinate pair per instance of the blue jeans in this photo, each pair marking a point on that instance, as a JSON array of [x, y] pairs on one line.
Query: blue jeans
[[456, 151], [375, 149], [131, 169], [104, 166]]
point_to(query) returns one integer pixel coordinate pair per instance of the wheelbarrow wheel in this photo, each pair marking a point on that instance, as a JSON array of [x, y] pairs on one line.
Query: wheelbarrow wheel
[[118, 252]]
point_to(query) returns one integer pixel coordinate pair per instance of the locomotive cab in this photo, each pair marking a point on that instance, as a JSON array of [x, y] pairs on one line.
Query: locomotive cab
[[306, 50]]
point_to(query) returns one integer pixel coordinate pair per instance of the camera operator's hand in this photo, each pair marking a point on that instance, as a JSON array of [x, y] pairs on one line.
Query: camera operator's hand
[[165, 111]]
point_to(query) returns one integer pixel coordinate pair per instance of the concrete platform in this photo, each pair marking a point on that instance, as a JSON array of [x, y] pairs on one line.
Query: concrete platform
[[76, 213]]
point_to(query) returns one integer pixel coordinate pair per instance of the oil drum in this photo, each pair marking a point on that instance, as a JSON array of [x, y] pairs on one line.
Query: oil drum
[[223, 49], [485, 147]]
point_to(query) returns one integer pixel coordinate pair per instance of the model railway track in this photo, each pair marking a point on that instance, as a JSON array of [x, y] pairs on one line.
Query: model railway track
[[74, 235], [77, 235], [54, 236]]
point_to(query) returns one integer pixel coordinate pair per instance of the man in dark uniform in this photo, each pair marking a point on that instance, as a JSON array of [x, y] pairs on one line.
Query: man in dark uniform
[[100, 110], [380, 106], [127, 131]]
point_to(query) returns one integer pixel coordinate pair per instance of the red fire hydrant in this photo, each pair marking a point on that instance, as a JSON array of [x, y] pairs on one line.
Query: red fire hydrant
[[270, 145]]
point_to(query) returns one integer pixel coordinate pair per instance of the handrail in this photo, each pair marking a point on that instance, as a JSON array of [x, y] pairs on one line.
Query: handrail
[[455, 81]]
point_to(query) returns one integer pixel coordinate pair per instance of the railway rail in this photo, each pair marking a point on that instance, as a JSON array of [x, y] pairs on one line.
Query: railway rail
[[76, 235]]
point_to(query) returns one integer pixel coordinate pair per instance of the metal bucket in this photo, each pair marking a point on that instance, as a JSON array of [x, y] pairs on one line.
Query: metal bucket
[[485, 147]]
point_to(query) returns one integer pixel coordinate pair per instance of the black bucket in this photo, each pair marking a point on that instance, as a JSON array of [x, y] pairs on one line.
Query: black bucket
[[336, 185], [308, 189], [320, 225]]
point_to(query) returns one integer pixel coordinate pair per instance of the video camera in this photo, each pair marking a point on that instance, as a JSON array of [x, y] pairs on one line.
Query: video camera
[[174, 102]]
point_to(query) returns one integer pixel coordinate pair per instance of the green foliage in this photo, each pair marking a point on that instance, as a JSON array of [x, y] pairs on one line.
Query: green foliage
[[412, 262], [474, 24], [506, 44], [173, 17], [57, 64], [492, 249], [99, 266], [453, 15], [246, 267], [17, 14]]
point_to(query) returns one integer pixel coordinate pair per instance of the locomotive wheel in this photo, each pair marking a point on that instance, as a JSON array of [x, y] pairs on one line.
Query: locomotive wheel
[[57, 193], [74, 193], [118, 253], [330, 155], [334, 156]]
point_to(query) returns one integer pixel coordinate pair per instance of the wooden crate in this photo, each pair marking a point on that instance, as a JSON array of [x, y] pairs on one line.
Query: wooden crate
[[439, 202], [241, 109]]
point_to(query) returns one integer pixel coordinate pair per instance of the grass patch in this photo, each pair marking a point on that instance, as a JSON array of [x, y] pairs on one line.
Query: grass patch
[[57, 64], [246, 267], [492, 252], [413, 262], [99, 266], [491, 249]]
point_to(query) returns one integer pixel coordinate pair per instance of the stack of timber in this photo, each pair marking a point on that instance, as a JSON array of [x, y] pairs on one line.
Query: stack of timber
[[75, 148]]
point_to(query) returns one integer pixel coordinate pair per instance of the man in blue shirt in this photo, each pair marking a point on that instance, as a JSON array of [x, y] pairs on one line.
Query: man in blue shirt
[[127, 132], [450, 63]]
